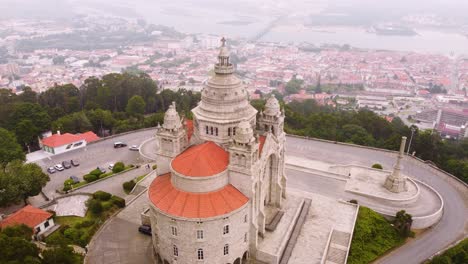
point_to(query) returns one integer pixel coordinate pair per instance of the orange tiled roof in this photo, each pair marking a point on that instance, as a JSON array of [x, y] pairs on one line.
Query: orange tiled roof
[[202, 160], [57, 140], [194, 205], [88, 136], [27, 215], [262, 142]]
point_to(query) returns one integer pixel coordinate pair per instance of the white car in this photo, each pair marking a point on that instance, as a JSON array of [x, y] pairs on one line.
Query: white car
[[111, 166], [59, 167], [134, 148]]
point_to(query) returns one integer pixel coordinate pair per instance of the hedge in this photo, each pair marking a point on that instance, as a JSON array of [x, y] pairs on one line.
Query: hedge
[[118, 201], [90, 177], [128, 186], [102, 196]]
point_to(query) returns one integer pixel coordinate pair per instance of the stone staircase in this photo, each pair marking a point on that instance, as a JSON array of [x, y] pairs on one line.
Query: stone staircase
[[338, 248]]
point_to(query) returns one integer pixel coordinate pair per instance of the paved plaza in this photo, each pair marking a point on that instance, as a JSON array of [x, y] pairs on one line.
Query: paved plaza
[[71, 205]]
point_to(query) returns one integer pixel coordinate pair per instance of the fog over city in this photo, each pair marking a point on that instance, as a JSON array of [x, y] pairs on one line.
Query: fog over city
[[233, 132]]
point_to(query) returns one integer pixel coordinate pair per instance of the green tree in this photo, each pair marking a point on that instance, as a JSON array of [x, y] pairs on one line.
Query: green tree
[[94, 206], [27, 111], [118, 167], [357, 135], [15, 248], [73, 123], [136, 106], [58, 255], [9, 148], [293, 86], [26, 132], [403, 223], [27, 178]]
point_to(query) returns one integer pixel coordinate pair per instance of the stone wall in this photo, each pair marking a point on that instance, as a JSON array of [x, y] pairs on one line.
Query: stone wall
[[213, 238]]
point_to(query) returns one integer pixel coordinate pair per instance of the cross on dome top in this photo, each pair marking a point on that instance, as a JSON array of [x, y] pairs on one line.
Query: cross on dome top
[[223, 66]]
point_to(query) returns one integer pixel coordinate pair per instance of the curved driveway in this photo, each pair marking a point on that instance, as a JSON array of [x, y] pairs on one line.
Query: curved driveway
[[452, 226]]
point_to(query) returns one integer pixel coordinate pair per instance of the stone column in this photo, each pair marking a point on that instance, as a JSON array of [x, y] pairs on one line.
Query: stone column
[[395, 182]]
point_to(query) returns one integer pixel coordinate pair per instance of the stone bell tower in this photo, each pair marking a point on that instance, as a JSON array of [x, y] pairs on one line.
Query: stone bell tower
[[171, 137], [243, 156], [272, 119]]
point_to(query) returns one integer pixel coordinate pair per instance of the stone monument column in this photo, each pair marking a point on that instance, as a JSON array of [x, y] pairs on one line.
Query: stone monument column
[[395, 182]]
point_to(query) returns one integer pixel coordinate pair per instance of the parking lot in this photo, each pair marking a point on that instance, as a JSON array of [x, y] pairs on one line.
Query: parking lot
[[101, 154]]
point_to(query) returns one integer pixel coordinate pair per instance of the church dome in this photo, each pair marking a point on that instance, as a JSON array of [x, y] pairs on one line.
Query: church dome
[[172, 118], [244, 132], [204, 160], [272, 106]]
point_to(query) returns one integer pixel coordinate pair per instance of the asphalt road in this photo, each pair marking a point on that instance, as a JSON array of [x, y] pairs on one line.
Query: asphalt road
[[98, 154], [451, 227]]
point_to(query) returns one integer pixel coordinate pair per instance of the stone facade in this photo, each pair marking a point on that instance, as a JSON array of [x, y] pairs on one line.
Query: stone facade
[[254, 167]]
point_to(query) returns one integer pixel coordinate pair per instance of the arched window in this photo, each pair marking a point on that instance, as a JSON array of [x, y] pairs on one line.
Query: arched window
[[176, 250], [200, 254], [216, 131], [229, 131], [234, 131], [174, 230], [272, 129], [211, 130], [226, 229], [226, 249], [206, 127]]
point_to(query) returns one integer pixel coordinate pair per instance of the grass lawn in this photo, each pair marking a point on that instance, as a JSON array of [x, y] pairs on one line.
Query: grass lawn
[[454, 255], [79, 230], [373, 236]]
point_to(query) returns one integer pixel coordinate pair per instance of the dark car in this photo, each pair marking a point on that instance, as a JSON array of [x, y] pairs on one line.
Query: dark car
[[145, 229], [51, 170], [74, 179], [75, 163], [66, 164], [119, 145], [101, 169]]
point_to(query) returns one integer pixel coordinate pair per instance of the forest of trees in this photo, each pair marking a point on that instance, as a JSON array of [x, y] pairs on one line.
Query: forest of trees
[[113, 104], [123, 102]]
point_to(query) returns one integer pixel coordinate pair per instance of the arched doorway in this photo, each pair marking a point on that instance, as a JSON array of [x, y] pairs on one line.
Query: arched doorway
[[245, 257], [237, 261]]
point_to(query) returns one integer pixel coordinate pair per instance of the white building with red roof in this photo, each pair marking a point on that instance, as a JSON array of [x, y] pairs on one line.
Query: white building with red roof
[[221, 176], [60, 143], [39, 220]]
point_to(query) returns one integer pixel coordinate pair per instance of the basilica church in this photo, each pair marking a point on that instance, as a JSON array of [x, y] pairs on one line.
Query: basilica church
[[221, 175]]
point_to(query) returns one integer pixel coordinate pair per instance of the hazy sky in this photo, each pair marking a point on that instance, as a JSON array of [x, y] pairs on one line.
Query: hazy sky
[[44, 8]]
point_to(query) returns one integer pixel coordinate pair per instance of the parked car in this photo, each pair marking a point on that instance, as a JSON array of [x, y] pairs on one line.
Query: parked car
[[119, 145], [75, 163], [51, 170], [111, 166], [59, 167], [134, 148], [101, 169], [74, 179], [145, 229], [66, 164]]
